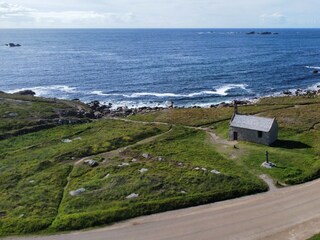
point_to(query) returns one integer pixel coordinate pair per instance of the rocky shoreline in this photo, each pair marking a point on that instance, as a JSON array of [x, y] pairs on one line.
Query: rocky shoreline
[[100, 110]]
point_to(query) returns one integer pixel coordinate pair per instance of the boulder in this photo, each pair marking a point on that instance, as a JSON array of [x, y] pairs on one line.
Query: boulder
[[94, 104], [13, 114], [268, 165], [91, 163], [215, 172], [26, 92], [146, 155], [132, 195], [77, 192], [124, 164], [97, 114], [143, 170]]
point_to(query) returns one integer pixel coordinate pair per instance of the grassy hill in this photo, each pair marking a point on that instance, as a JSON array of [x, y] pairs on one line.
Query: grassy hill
[[316, 237], [143, 167]]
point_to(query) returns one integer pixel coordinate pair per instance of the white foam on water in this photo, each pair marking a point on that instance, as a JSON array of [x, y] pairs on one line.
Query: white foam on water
[[221, 91], [143, 94], [313, 67], [315, 87], [101, 93], [47, 90]]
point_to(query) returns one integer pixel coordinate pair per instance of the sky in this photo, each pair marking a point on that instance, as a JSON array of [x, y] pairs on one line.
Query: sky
[[160, 14]]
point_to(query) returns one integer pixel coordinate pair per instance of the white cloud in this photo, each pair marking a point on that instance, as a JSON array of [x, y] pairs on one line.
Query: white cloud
[[8, 10], [18, 15], [274, 18], [161, 13]]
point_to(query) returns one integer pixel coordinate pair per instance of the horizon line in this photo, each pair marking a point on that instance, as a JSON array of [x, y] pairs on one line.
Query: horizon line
[[153, 28]]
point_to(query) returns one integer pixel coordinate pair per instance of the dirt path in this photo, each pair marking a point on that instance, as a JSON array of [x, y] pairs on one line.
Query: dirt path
[[117, 151]]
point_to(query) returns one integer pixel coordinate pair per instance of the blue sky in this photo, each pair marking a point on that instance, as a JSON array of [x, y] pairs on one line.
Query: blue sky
[[160, 14]]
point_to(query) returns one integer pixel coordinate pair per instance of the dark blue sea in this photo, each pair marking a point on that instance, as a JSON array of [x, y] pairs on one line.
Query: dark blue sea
[[149, 67]]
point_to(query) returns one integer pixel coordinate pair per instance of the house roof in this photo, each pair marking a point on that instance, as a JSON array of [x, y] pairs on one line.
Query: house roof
[[252, 122]]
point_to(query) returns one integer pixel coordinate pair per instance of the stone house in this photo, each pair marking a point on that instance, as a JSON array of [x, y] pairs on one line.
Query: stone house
[[254, 129]]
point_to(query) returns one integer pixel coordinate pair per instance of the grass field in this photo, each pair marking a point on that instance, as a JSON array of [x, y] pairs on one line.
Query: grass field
[[316, 237], [40, 167], [168, 184]]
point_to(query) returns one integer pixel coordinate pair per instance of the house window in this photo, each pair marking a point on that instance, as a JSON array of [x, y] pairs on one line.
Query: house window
[[259, 134]]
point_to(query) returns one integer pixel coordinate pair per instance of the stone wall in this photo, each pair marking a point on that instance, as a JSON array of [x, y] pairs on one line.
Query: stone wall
[[248, 135]]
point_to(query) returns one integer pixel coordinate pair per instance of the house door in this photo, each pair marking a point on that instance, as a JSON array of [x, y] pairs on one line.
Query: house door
[[235, 136]]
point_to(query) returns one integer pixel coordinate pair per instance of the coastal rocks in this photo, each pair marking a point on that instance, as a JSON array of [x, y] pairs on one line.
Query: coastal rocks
[[169, 104], [77, 192], [262, 33], [300, 92], [12, 45], [98, 114], [91, 163], [265, 33], [94, 105], [26, 93], [287, 92]]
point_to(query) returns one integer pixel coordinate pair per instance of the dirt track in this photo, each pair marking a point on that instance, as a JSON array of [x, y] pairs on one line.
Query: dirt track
[[288, 213]]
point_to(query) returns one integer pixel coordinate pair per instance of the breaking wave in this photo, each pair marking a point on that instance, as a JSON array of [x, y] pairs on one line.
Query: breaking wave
[[220, 91], [44, 91], [313, 67]]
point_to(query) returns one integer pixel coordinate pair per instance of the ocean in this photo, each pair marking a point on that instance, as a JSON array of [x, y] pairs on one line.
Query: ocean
[[147, 67]]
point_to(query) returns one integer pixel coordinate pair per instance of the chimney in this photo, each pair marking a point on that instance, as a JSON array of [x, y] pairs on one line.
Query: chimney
[[235, 105]]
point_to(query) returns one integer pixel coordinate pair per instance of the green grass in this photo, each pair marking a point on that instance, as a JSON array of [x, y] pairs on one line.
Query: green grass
[[168, 184], [34, 167], [289, 100], [38, 169], [297, 154], [200, 116], [316, 237], [31, 112]]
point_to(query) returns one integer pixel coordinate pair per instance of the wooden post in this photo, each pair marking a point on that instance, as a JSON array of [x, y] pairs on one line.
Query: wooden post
[[267, 157]]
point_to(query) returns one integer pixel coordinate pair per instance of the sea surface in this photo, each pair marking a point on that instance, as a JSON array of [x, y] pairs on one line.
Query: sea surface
[[141, 67]]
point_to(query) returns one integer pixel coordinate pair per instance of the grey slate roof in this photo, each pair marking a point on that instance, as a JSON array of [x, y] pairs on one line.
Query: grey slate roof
[[252, 122]]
